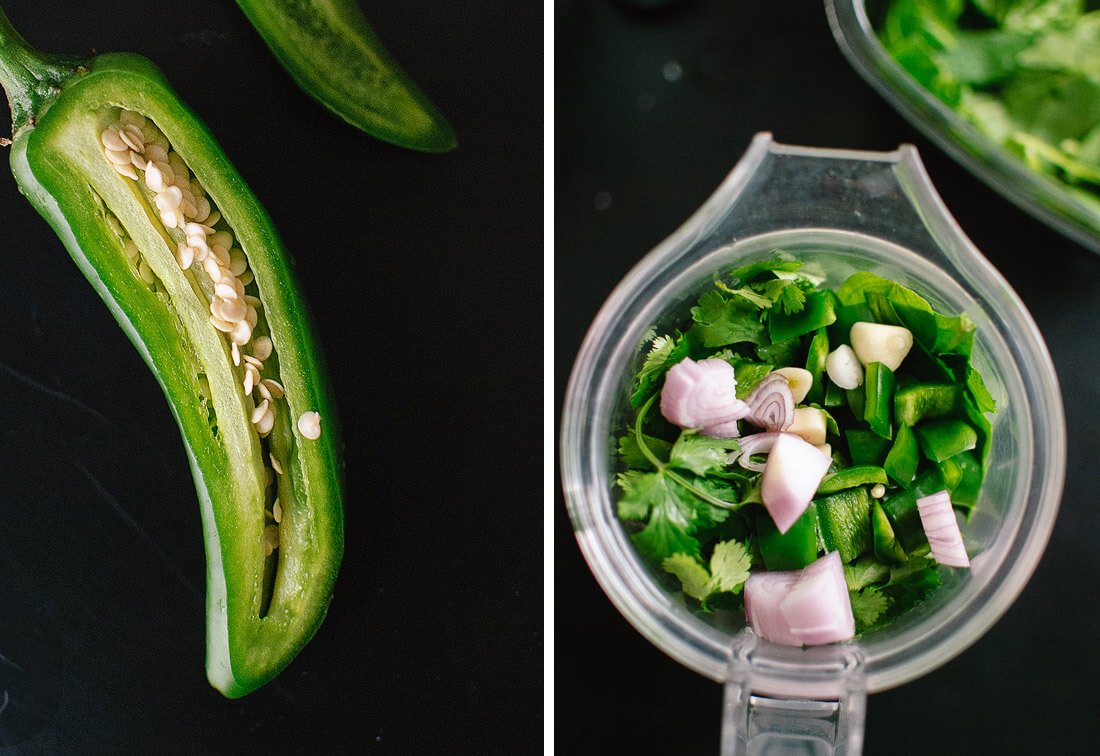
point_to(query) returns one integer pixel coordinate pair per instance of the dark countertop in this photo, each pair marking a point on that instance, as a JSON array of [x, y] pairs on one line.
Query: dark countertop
[[433, 643], [653, 109]]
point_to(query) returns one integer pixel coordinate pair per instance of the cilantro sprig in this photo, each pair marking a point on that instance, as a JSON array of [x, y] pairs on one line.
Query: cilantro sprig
[[729, 569], [879, 592], [671, 495], [664, 352]]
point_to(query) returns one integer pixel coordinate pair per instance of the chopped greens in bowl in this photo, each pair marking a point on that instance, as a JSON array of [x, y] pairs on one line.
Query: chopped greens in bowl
[[839, 214], [867, 404], [1009, 88], [1026, 73]]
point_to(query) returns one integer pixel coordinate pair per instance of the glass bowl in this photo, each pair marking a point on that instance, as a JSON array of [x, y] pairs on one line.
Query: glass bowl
[[853, 23], [840, 212]]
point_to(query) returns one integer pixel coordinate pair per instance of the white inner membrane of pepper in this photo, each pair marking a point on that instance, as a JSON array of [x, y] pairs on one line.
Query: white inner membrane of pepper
[[219, 272]]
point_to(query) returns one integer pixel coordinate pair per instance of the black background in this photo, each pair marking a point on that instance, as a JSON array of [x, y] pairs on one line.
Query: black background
[[649, 151], [433, 643]]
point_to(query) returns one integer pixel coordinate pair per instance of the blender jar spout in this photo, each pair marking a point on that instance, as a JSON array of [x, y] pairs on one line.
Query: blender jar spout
[[755, 723]]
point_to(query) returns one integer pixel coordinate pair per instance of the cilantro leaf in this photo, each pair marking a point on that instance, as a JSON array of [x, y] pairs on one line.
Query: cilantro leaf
[[632, 456], [724, 486], [721, 322], [1070, 48], [664, 352], [637, 499], [988, 113], [657, 358], [787, 294], [915, 565], [984, 57], [694, 578], [701, 454], [792, 298], [1053, 105], [880, 593], [864, 572], [729, 567], [747, 294], [909, 584], [748, 273], [674, 513], [1033, 15], [867, 606], [670, 526], [784, 352], [783, 288]]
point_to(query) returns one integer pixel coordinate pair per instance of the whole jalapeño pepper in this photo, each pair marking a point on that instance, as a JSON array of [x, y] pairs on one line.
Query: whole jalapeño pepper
[[336, 58], [180, 250]]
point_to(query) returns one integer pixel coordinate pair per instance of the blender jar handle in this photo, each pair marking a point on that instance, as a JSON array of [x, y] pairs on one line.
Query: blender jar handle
[[759, 724]]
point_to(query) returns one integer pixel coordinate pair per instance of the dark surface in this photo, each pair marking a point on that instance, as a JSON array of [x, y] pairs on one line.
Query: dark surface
[[433, 643], [636, 155]]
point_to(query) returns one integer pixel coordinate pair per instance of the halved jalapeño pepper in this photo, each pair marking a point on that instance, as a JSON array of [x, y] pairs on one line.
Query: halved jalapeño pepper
[[334, 55], [182, 253]]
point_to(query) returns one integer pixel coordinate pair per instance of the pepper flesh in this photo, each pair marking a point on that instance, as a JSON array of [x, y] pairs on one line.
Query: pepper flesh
[[58, 111], [850, 477], [816, 354], [336, 58], [843, 520], [879, 393], [904, 458], [793, 550]]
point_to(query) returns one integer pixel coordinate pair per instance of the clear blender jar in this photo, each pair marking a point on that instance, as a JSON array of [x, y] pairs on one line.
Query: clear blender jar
[[841, 211]]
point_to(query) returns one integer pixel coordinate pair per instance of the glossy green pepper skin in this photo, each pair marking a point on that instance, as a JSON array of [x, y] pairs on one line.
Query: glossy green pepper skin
[[792, 550], [850, 477], [58, 107], [334, 55]]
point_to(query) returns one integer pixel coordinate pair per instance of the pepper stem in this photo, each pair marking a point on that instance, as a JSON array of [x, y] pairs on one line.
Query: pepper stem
[[29, 77]]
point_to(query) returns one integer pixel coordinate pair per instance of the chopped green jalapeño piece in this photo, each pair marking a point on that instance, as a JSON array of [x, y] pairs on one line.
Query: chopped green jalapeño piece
[[792, 550], [844, 521], [879, 398], [926, 401], [904, 457], [946, 438], [850, 477]]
